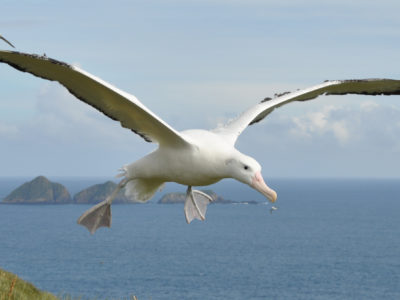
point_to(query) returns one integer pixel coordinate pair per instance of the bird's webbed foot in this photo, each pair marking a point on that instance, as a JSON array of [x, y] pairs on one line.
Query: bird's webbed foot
[[100, 214], [196, 205], [97, 216]]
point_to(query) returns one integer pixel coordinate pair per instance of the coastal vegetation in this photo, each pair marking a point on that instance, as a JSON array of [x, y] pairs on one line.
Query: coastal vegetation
[[14, 288]]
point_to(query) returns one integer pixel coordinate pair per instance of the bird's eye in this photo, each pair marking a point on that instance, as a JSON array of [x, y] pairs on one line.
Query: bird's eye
[[246, 167]]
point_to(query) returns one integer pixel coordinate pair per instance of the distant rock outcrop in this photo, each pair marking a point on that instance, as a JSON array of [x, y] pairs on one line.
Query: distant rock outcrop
[[39, 191], [99, 192], [172, 198], [42, 191]]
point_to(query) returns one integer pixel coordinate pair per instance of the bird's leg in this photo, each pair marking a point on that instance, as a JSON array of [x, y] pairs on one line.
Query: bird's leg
[[100, 214], [196, 205]]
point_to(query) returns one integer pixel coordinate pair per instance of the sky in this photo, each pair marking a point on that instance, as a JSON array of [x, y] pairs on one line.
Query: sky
[[198, 64]]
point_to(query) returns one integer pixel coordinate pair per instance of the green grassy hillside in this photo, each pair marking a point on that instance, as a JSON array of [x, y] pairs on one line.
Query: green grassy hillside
[[14, 288]]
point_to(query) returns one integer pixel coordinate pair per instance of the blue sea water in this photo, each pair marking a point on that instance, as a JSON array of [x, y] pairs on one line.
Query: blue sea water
[[329, 239]]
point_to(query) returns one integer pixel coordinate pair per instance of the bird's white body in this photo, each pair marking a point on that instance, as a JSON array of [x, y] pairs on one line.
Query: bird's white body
[[192, 157], [197, 164], [201, 163]]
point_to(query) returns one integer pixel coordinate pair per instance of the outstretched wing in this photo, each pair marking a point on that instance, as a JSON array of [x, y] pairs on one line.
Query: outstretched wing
[[335, 87], [114, 103]]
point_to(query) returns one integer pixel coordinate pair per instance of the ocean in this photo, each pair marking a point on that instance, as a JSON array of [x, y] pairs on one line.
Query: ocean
[[329, 239]]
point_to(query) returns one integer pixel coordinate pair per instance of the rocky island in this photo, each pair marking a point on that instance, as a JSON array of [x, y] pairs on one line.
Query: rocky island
[[39, 191], [42, 191], [99, 192]]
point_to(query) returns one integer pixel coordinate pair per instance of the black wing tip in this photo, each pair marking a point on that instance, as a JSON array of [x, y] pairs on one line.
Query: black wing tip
[[7, 41], [393, 90], [35, 56], [32, 56]]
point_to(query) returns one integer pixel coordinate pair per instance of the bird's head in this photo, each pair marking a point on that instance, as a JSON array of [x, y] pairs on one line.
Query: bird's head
[[248, 170]]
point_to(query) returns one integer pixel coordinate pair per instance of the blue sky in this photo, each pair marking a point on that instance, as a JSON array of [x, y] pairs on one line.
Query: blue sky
[[197, 64]]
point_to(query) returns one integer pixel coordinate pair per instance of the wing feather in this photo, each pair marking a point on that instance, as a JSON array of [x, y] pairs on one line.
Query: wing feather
[[333, 87], [7, 41], [114, 103]]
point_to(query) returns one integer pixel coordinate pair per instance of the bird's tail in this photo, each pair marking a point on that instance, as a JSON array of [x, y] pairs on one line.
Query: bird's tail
[[141, 190]]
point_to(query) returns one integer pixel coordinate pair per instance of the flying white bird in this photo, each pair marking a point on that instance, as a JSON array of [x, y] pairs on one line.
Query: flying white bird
[[192, 157]]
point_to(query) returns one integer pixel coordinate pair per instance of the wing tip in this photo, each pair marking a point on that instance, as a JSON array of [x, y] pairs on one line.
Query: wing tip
[[37, 57], [7, 41]]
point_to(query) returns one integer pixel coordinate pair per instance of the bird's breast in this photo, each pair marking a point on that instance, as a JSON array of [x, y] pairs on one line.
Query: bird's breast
[[190, 167], [202, 163]]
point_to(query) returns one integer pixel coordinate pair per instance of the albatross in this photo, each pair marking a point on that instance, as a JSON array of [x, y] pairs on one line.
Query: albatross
[[194, 157]]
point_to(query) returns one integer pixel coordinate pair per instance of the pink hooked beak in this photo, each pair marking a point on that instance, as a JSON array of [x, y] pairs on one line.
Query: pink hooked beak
[[259, 184]]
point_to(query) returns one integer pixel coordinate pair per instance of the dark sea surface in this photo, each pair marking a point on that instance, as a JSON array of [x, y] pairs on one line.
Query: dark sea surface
[[329, 239]]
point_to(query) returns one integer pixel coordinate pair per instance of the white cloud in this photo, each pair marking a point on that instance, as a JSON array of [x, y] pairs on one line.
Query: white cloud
[[326, 140], [321, 123], [66, 136], [361, 124], [341, 131], [369, 106]]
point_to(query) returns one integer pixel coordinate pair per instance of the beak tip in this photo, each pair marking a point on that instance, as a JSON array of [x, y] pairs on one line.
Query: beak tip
[[259, 184], [273, 198]]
